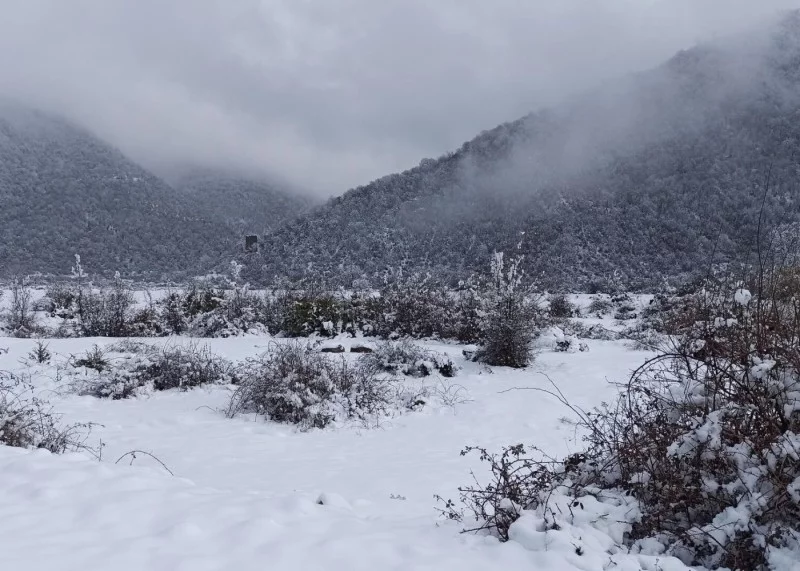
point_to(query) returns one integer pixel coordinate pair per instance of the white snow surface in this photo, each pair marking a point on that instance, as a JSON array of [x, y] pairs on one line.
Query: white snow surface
[[742, 296], [252, 494]]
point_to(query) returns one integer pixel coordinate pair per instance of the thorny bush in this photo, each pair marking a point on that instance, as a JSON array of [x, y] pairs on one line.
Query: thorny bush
[[705, 436]]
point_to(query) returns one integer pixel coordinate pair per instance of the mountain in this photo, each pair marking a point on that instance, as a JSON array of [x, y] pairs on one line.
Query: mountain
[[648, 178], [63, 192], [244, 205]]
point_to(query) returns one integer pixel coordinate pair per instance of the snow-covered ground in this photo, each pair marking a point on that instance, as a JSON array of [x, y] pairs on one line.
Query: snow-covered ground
[[249, 494]]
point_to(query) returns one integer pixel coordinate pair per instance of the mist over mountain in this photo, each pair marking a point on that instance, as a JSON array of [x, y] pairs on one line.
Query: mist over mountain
[[648, 178], [65, 192]]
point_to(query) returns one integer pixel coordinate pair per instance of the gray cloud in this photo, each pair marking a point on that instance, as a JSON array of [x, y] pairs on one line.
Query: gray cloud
[[328, 94]]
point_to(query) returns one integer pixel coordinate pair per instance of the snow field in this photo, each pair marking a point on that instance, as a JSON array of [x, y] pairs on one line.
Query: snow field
[[250, 494]]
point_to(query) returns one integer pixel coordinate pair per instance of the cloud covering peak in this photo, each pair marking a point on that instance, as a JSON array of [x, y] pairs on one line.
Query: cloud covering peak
[[329, 94]]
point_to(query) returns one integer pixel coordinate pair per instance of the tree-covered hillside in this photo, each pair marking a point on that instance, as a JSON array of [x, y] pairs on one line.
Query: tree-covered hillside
[[647, 178], [65, 192], [245, 205]]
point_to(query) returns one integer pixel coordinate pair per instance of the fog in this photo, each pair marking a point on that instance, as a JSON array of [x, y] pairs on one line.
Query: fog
[[330, 94]]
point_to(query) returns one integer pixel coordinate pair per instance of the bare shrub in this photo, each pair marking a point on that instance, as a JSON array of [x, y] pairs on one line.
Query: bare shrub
[[450, 394], [26, 421], [21, 317], [518, 482]]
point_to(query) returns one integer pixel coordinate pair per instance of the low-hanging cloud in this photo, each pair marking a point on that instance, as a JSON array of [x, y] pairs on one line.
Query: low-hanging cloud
[[327, 94]]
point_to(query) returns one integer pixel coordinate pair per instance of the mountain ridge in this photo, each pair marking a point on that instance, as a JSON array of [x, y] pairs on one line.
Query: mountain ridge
[[676, 156]]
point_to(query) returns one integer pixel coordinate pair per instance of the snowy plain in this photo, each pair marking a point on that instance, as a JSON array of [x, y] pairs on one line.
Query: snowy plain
[[246, 493]]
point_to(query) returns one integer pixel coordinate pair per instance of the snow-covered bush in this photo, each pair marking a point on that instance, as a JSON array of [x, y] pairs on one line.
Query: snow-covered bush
[[26, 421], [675, 314], [511, 319], [217, 324], [104, 312], [170, 313], [40, 353], [563, 343], [294, 384], [290, 383], [204, 311], [146, 322], [624, 307], [560, 307], [60, 300], [307, 309], [582, 331], [94, 358], [704, 437], [786, 283], [201, 298], [363, 395], [600, 306], [708, 439], [184, 368], [413, 306], [407, 358], [145, 368], [409, 306], [417, 306]]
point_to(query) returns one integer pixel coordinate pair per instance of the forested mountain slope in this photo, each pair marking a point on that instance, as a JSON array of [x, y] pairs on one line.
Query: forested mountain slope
[[643, 179], [245, 205], [65, 192]]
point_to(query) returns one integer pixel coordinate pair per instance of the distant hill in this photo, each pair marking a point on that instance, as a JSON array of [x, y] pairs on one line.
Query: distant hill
[[63, 191], [245, 205], [644, 179]]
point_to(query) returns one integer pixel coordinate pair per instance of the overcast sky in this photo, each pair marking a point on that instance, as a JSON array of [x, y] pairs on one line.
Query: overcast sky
[[329, 94]]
